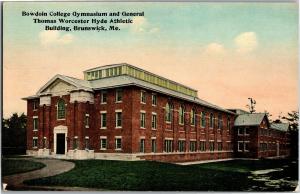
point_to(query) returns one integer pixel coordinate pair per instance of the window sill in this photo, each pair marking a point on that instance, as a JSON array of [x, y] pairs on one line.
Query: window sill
[[34, 110], [118, 149], [87, 126], [118, 127], [168, 130], [142, 128], [193, 131], [154, 105], [143, 102], [35, 130], [181, 124], [180, 131], [103, 149], [61, 119], [168, 122], [103, 128], [154, 129], [118, 102]]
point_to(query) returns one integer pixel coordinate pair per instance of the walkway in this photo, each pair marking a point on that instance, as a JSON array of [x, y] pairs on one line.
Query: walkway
[[53, 167]]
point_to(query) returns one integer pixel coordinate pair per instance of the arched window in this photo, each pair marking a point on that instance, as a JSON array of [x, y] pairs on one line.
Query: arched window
[[61, 109], [181, 115], [168, 112], [203, 119], [193, 117], [211, 120]]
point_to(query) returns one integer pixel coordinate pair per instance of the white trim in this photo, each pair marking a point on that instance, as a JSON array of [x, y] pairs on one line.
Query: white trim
[[75, 137], [35, 117], [118, 110], [168, 138], [142, 111], [153, 137], [203, 140], [86, 137], [193, 140], [34, 137], [181, 139], [103, 111], [154, 113], [211, 140], [142, 137], [103, 137], [118, 137]]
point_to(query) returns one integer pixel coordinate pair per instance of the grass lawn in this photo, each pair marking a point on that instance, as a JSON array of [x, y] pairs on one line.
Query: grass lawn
[[155, 176], [14, 166]]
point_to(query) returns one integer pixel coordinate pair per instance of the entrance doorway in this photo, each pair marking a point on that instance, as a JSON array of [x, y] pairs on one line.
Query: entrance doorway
[[60, 143]]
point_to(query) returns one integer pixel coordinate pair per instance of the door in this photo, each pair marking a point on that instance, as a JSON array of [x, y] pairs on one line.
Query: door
[[60, 143]]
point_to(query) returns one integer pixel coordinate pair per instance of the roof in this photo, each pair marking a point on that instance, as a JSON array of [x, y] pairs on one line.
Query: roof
[[251, 119], [280, 126]]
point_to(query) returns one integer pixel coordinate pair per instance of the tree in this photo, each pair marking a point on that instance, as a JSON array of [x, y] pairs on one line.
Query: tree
[[251, 106], [14, 134], [292, 118]]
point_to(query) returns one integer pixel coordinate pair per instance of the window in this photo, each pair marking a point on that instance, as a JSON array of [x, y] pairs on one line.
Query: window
[[181, 115], [181, 145], [142, 145], [103, 97], [203, 123], [87, 122], [228, 123], [192, 146], [34, 142], [87, 143], [240, 146], [193, 117], [118, 143], [61, 109], [153, 145], [168, 112], [246, 131], [103, 120], [45, 142], [143, 97], [154, 121], [240, 131], [211, 146], [119, 95], [220, 147], [75, 142], [35, 123], [246, 146], [202, 146], [35, 105], [211, 122], [168, 147], [154, 99], [103, 143], [220, 121], [118, 119], [143, 119]]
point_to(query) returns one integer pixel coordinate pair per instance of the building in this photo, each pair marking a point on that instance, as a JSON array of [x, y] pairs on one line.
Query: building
[[126, 113]]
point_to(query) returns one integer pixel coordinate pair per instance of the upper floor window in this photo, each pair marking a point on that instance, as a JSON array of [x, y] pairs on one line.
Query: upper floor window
[[143, 97], [154, 99], [228, 123], [193, 117], [118, 119], [35, 105], [119, 94], [103, 97], [168, 112], [154, 121], [203, 123], [61, 109], [35, 123], [220, 121], [87, 120], [181, 115], [211, 120], [240, 131], [103, 120], [143, 119]]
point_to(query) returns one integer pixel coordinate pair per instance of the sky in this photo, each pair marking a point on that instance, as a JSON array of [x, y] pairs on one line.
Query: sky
[[227, 51]]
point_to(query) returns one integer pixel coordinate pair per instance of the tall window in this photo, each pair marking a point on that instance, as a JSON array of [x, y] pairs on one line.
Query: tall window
[[103, 143], [143, 97], [181, 145], [220, 146], [193, 117], [203, 123], [154, 121], [119, 94], [61, 109], [75, 142], [142, 145], [153, 145], [118, 119], [202, 146], [192, 146], [154, 99], [211, 146], [211, 120], [35, 123], [219, 121], [103, 97], [168, 146], [143, 119], [228, 124], [87, 143], [118, 143], [34, 142], [168, 112], [35, 105], [181, 115], [103, 120], [87, 120]]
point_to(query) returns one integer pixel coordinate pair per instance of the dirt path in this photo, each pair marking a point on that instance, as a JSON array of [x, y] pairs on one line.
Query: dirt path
[[53, 167]]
